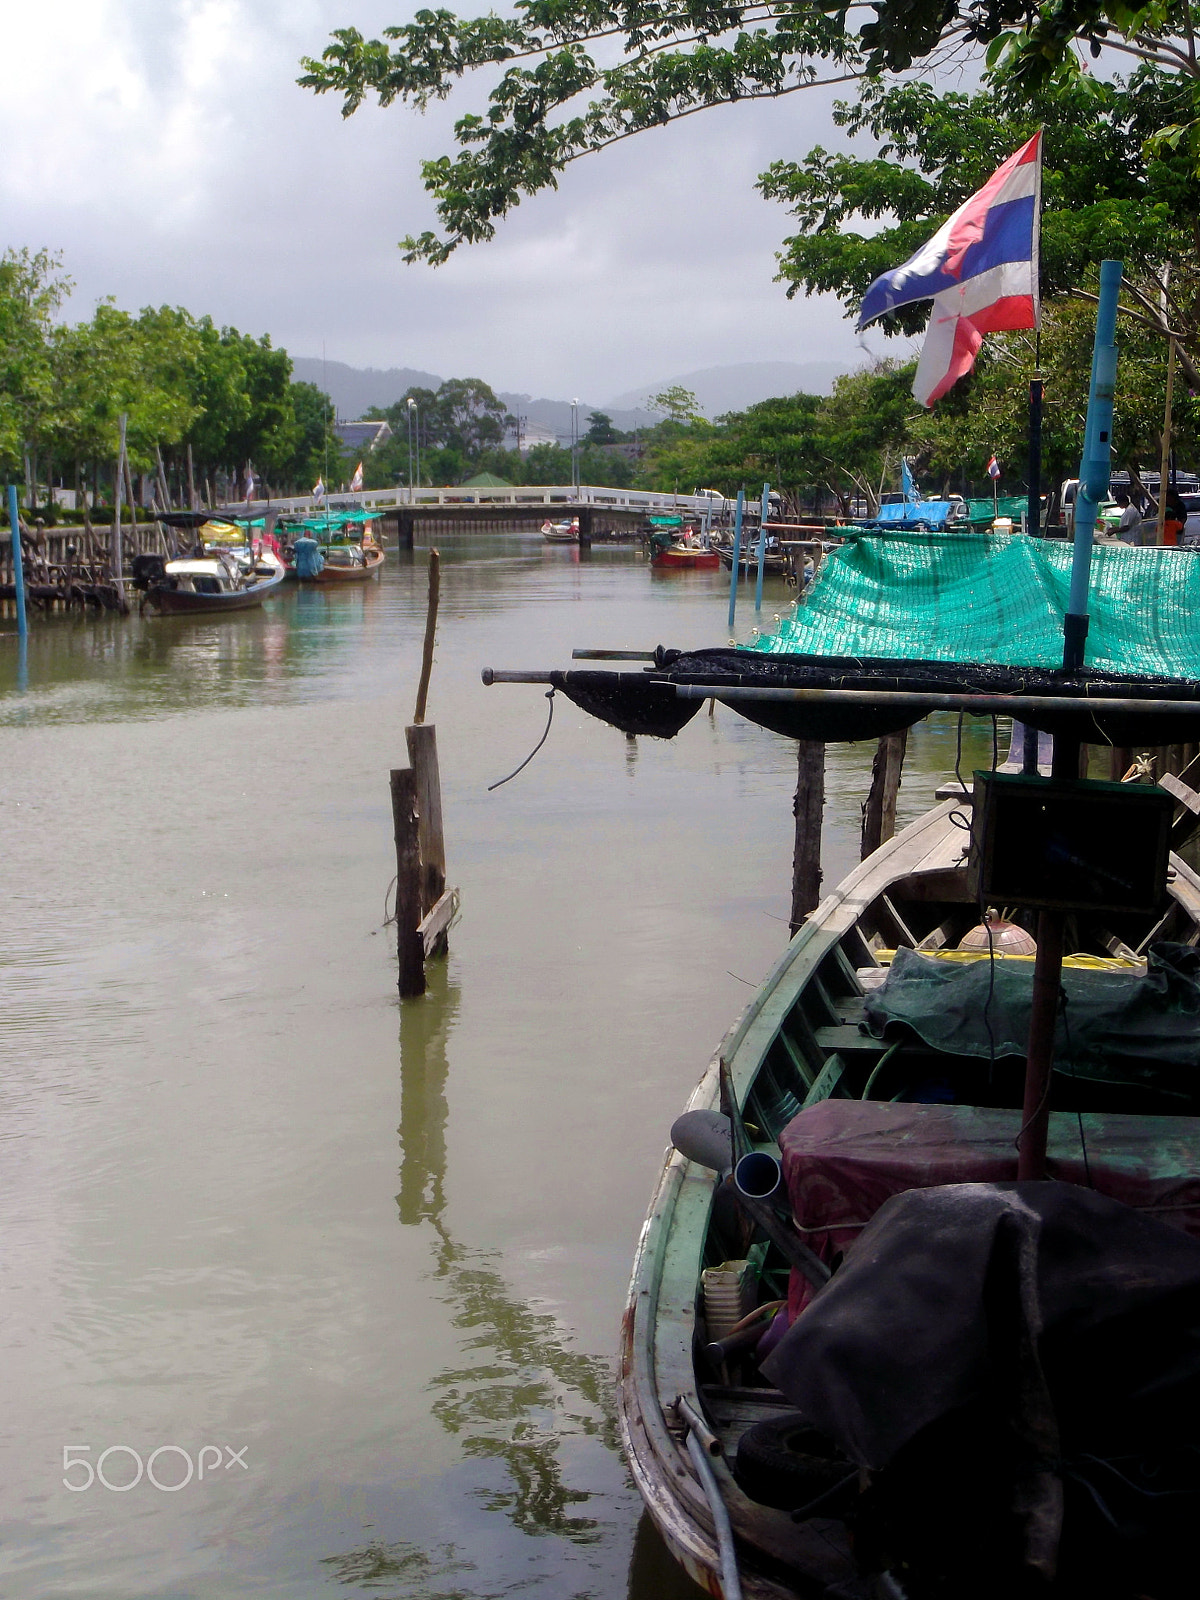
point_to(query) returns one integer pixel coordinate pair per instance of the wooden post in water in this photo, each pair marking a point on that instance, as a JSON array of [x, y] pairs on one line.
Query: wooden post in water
[[879, 812], [435, 584], [424, 906], [808, 808], [116, 549], [191, 481], [410, 947], [422, 753]]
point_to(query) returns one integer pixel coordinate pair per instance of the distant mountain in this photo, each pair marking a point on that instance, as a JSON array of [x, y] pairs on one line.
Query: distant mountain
[[555, 415], [721, 389], [354, 390]]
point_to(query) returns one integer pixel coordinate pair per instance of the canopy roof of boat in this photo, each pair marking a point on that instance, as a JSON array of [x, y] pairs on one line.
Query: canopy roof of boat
[[900, 624], [340, 521]]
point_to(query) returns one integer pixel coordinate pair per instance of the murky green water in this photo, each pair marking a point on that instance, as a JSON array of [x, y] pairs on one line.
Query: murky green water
[[251, 1207]]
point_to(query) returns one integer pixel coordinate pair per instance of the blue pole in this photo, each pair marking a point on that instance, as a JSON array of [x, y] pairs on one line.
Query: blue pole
[[14, 520], [737, 553], [762, 545], [1095, 464]]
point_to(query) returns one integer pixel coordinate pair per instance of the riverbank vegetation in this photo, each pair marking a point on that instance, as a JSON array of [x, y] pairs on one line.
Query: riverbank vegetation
[[192, 392]]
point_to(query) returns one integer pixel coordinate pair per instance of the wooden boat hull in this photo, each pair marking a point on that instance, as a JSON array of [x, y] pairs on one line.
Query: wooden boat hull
[[773, 565], [680, 558], [184, 603], [334, 575], [778, 1558]]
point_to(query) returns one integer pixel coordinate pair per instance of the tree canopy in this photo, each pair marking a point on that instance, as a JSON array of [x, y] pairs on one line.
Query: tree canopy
[[567, 78], [1107, 190], [181, 382]]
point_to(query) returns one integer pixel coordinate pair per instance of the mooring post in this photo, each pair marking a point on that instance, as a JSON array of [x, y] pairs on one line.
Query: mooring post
[[410, 947], [18, 566], [879, 812], [808, 808], [435, 584], [116, 550], [422, 753], [737, 554]]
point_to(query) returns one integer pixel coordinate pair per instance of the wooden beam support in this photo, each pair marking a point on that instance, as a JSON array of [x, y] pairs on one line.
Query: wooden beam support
[[808, 807], [879, 811], [410, 947], [422, 753]]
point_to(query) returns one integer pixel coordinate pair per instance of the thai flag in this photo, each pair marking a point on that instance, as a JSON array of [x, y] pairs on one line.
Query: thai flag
[[356, 482], [980, 269], [993, 468]]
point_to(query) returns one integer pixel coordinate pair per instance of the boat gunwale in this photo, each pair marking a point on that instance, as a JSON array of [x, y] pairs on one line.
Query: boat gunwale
[[661, 1465]]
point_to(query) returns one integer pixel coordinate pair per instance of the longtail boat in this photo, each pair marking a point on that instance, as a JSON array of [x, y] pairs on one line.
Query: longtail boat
[[334, 547], [195, 585], [859, 1116], [676, 549], [915, 1311]]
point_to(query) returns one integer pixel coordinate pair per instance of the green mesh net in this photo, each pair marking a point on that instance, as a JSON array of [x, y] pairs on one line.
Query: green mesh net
[[999, 598], [1008, 505]]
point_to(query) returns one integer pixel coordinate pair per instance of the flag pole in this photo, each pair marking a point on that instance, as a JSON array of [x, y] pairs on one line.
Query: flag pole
[[737, 553], [1095, 464], [1033, 517]]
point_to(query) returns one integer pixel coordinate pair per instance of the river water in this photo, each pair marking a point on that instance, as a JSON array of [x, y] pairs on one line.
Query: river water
[[354, 1271]]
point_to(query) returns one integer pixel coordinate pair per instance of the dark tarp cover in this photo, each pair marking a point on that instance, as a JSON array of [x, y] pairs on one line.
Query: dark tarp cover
[[645, 701], [1069, 1317], [1130, 1028]]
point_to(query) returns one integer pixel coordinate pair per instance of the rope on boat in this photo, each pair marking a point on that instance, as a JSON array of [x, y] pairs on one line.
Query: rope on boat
[[533, 752], [697, 1430]]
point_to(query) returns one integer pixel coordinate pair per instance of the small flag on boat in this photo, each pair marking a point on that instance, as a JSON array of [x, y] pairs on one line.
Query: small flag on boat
[[319, 489], [249, 482], [356, 482], [993, 468], [980, 269], [907, 484]]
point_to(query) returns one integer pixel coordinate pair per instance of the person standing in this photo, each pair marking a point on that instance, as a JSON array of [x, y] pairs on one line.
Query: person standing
[[1176, 518], [1129, 526]]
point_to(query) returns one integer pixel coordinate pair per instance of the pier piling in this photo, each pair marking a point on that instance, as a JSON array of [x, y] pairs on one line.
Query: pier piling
[[410, 946], [809, 810]]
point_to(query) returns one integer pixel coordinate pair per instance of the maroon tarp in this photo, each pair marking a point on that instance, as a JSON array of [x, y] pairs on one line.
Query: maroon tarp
[[843, 1158]]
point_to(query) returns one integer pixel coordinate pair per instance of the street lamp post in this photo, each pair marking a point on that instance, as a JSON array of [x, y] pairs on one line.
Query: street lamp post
[[413, 437], [575, 447]]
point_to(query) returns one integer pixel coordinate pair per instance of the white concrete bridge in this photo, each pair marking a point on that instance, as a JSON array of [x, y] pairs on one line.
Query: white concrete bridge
[[526, 499]]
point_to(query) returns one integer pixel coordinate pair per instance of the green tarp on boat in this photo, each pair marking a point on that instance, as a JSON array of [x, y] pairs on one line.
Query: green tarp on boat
[[997, 598]]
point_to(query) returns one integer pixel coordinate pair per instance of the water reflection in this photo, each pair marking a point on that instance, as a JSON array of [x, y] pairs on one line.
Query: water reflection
[[521, 1392]]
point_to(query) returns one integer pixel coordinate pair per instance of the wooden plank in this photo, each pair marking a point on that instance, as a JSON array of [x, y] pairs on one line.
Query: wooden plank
[[803, 1070], [421, 739], [1181, 791], [843, 1036], [828, 1079], [434, 924]]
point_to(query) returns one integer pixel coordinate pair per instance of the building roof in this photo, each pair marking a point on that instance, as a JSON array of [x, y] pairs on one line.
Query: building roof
[[367, 435], [486, 480]]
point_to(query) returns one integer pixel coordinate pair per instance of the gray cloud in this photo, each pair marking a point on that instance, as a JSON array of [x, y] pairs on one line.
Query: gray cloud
[[173, 159]]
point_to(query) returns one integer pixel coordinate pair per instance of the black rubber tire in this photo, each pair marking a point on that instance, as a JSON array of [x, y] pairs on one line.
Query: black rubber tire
[[785, 1462]]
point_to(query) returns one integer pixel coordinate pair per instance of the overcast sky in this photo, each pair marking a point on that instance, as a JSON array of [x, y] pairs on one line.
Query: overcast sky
[[163, 147]]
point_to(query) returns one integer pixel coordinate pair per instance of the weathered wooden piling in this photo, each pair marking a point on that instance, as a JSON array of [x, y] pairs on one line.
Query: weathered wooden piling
[[879, 810], [808, 808], [424, 906], [422, 754], [410, 947]]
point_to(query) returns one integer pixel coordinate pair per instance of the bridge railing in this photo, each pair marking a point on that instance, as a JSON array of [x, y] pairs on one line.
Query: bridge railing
[[553, 496]]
